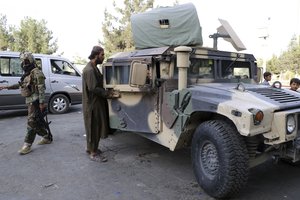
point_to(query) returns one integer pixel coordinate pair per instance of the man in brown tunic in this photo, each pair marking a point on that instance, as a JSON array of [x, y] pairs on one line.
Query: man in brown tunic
[[94, 104]]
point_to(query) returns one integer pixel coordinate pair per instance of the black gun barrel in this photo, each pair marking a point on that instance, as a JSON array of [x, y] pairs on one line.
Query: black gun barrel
[[42, 119]]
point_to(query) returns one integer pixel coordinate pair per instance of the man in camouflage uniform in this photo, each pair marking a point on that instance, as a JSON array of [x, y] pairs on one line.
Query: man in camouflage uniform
[[32, 86]]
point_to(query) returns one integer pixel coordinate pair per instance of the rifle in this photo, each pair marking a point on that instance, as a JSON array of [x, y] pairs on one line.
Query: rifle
[[42, 119]]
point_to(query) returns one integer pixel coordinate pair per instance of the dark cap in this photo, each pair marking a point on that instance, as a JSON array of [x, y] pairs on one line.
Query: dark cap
[[95, 51]]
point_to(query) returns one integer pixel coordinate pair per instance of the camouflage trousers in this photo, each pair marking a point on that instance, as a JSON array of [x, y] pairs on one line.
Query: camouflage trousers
[[33, 127]]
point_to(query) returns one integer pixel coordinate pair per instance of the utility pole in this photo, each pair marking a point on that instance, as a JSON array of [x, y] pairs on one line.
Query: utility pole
[[265, 35]]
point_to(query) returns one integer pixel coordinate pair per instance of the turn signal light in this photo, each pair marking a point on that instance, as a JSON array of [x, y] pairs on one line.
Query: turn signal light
[[258, 115]]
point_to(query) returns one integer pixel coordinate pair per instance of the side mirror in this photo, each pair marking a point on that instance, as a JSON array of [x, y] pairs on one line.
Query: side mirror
[[138, 74]]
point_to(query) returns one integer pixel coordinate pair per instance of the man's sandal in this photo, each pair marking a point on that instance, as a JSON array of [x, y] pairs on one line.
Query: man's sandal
[[89, 152], [98, 158]]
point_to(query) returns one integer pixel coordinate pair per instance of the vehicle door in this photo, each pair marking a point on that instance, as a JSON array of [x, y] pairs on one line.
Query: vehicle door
[[136, 108], [65, 78], [10, 73]]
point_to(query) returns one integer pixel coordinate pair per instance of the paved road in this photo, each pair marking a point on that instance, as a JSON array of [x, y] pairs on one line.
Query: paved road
[[137, 169]]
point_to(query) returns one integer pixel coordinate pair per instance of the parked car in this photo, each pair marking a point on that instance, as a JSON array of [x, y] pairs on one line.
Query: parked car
[[63, 81]]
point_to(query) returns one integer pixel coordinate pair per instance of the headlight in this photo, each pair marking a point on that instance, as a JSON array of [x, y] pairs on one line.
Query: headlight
[[290, 124]]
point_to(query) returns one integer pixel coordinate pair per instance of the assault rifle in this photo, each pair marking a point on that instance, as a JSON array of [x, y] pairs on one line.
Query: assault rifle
[[42, 119]]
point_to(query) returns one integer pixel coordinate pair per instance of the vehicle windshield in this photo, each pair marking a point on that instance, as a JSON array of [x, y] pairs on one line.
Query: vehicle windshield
[[235, 70], [212, 70]]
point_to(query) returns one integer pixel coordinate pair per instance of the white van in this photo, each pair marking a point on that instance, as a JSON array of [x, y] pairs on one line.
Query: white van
[[63, 82]]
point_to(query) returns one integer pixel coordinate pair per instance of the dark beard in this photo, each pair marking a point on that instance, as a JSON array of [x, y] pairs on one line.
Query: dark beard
[[98, 61]]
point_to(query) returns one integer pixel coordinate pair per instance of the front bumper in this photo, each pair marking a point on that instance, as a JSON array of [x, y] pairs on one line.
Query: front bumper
[[278, 133]]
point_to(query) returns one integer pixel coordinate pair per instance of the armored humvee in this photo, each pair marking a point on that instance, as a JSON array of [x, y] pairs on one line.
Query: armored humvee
[[181, 96]]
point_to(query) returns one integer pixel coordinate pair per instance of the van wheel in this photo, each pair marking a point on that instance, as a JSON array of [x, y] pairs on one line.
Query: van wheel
[[59, 104], [220, 159]]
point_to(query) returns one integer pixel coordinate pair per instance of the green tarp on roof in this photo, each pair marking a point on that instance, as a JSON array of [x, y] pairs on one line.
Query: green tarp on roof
[[167, 26]]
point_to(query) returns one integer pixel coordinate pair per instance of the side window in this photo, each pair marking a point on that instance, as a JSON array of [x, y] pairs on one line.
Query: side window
[[122, 74], [38, 62], [62, 67], [117, 74], [109, 75], [201, 68], [10, 66]]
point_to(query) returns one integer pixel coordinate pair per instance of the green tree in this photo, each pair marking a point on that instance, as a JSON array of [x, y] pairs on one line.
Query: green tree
[[273, 65], [289, 60], [116, 28], [33, 36], [80, 60], [5, 36]]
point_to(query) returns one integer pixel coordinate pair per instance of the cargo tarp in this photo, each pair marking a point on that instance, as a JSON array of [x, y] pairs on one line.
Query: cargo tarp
[[167, 26]]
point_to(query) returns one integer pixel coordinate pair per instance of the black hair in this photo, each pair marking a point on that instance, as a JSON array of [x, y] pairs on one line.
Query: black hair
[[95, 51], [267, 74], [294, 80]]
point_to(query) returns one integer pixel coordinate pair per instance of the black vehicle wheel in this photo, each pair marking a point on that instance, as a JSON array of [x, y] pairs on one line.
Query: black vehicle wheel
[[59, 104], [220, 159]]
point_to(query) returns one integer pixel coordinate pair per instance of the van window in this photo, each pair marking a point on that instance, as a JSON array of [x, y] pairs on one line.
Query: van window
[[38, 62], [62, 67], [10, 67]]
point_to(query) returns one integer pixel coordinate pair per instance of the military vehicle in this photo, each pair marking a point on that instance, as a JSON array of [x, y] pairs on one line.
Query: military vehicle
[[210, 100]]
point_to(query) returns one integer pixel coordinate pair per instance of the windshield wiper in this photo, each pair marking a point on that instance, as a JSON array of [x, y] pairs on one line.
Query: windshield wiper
[[230, 65]]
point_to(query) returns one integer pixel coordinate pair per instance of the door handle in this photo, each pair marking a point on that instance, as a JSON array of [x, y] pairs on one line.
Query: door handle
[[55, 81], [75, 87]]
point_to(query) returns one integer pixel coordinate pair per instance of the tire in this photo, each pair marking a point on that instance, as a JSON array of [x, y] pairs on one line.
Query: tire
[[220, 159], [59, 104]]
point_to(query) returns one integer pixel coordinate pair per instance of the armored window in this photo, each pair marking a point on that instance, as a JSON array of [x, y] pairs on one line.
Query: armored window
[[118, 74], [122, 74], [109, 75], [10, 67], [235, 69], [201, 68]]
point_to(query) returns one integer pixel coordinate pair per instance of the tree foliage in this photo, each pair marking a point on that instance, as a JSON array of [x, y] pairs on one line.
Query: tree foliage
[[116, 28], [289, 60], [80, 60], [5, 37], [32, 35]]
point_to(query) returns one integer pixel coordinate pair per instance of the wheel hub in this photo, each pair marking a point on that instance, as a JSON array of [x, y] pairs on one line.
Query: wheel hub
[[209, 159], [59, 104]]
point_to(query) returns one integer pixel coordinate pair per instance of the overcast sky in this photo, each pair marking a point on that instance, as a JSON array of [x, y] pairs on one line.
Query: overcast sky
[[77, 24]]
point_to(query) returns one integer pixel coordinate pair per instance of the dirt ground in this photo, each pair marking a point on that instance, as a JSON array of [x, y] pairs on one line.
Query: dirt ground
[[137, 169]]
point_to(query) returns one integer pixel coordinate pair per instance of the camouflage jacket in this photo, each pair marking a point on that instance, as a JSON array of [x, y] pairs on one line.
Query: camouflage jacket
[[36, 81]]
